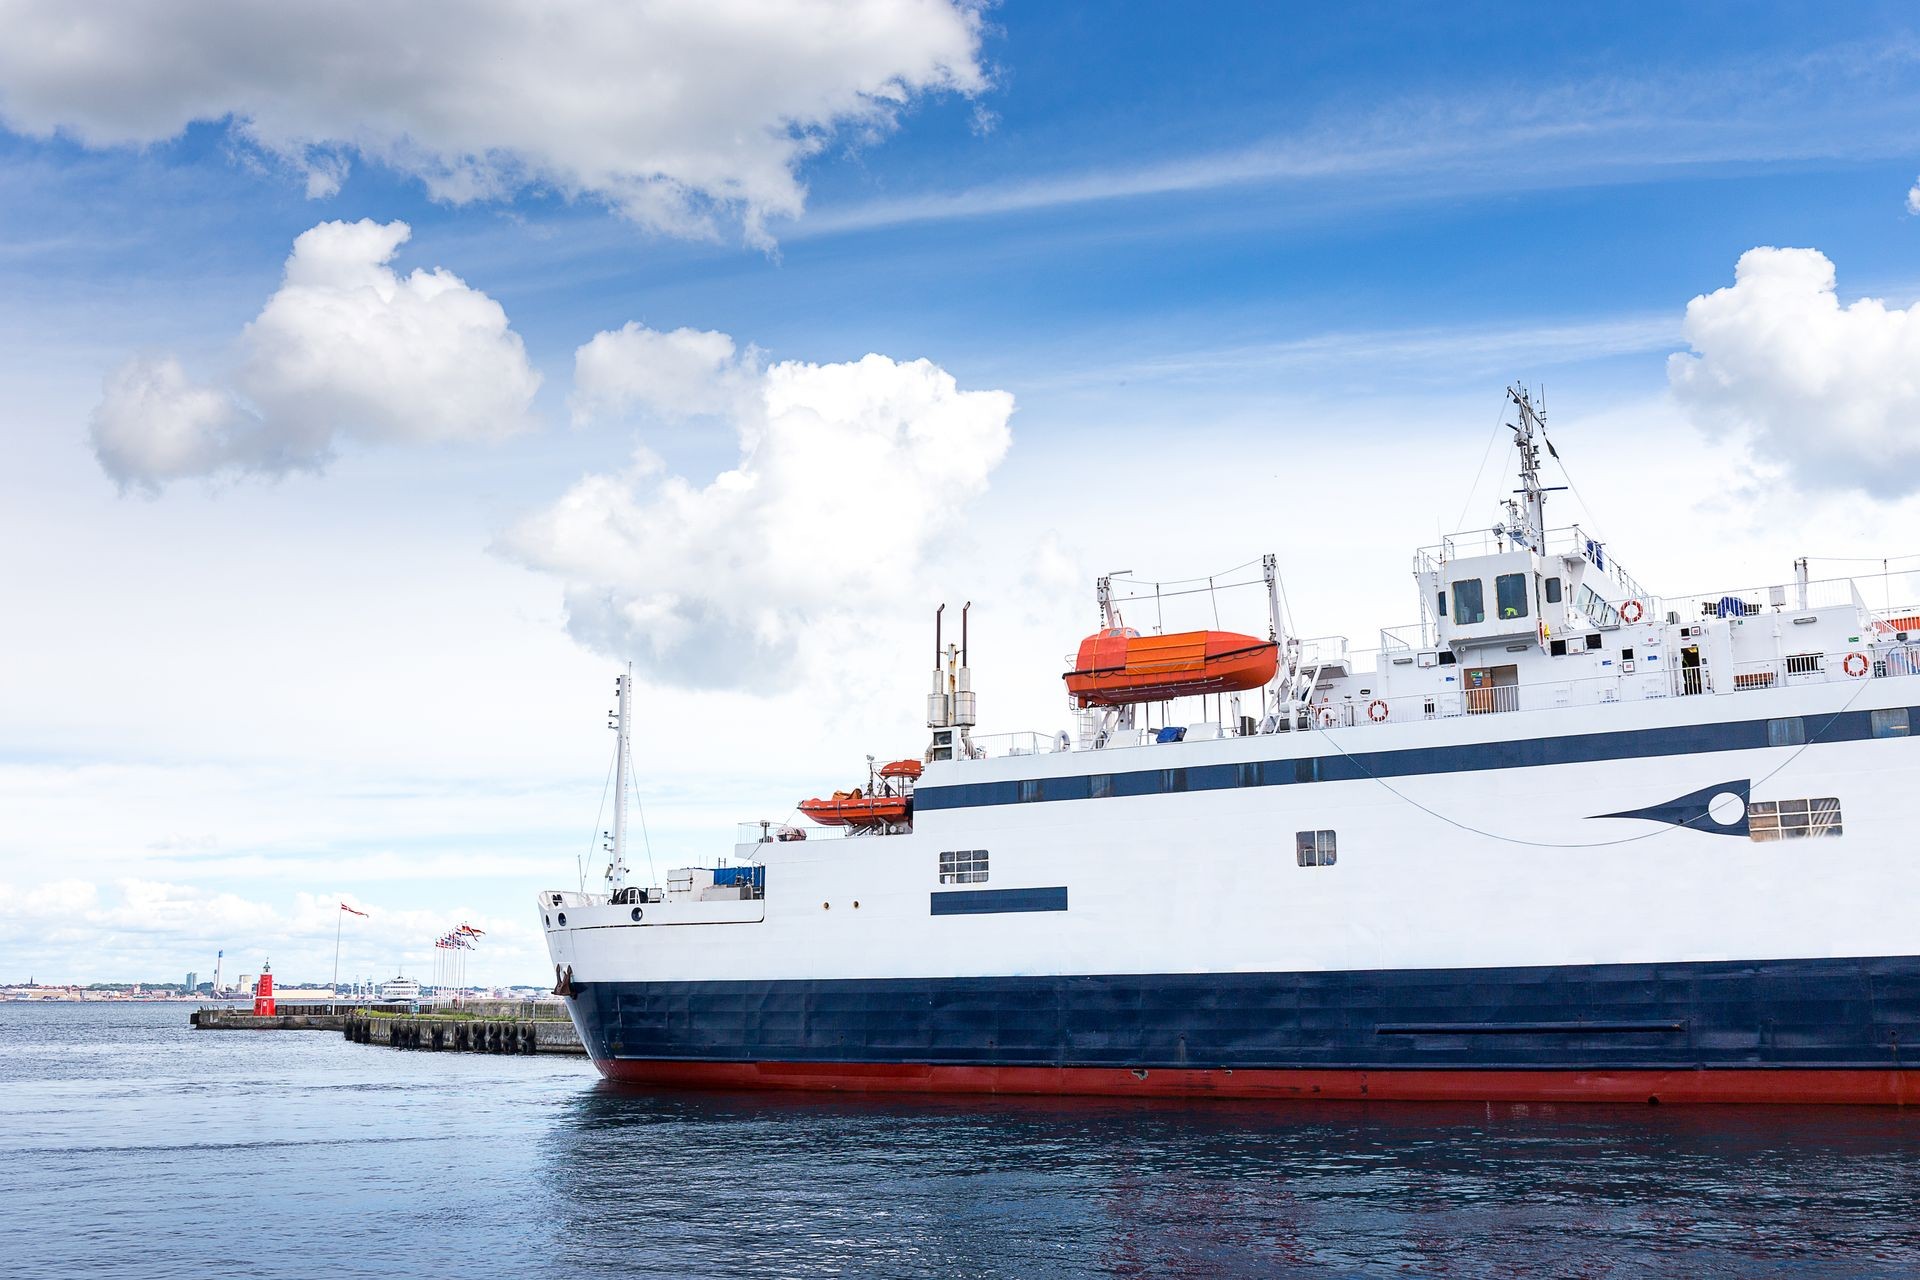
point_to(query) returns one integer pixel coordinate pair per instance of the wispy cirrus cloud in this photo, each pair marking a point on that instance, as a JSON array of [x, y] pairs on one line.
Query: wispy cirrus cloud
[[1596, 131]]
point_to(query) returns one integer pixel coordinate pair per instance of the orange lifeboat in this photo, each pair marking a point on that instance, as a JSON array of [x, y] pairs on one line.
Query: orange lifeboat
[[853, 809], [908, 769], [1119, 666]]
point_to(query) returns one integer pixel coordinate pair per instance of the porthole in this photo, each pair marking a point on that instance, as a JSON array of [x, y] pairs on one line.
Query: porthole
[[856, 904], [636, 915], [826, 906], [563, 919]]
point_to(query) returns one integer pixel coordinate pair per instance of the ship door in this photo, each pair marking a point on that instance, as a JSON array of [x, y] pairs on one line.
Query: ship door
[[1691, 673], [1492, 689]]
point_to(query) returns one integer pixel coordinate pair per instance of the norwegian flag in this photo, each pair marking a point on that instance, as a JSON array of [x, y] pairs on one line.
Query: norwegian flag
[[350, 911]]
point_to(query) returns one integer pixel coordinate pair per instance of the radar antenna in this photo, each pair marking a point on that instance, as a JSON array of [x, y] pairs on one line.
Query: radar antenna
[[1532, 523]]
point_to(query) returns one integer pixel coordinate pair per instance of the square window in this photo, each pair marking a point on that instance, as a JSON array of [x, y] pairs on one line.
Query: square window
[[1469, 602], [1173, 779], [1029, 790], [1247, 775], [1314, 848], [1510, 596], [1891, 723], [1100, 786], [963, 866], [1790, 732]]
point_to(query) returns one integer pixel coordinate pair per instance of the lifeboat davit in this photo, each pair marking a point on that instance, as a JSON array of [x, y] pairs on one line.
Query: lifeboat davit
[[854, 809], [1119, 666]]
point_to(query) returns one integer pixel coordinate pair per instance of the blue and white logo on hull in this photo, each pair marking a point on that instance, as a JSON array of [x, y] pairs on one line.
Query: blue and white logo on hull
[[1717, 810]]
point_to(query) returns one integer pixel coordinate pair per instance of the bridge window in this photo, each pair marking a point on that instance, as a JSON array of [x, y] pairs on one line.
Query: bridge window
[[963, 866], [1769, 820], [1510, 595], [1891, 723], [1315, 848], [1469, 602]]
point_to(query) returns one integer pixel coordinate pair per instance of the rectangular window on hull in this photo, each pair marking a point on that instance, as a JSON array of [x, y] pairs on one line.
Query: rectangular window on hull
[[1314, 848], [1510, 595], [1769, 820], [1469, 602], [1790, 732], [1891, 723], [963, 866]]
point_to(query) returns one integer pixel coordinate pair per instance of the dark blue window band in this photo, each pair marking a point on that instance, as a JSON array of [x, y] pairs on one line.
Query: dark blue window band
[[986, 902], [1527, 753]]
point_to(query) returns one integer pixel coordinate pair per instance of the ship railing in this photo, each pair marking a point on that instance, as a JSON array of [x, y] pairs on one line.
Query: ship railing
[[1569, 540], [568, 898], [1321, 651], [1876, 662], [1869, 662], [1888, 598], [1414, 635], [1029, 742]]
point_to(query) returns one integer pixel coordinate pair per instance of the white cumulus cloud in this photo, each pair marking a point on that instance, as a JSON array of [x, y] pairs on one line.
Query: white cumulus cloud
[[847, 474], [1913, 198], [347, 348], [1830, 392], [670, 111], [683, 374]]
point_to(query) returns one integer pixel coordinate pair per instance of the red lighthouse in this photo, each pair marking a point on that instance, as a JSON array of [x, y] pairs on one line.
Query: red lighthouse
[[263, 992]]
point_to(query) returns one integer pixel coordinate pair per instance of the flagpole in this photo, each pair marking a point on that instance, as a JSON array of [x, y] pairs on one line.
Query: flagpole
[[339, 918]]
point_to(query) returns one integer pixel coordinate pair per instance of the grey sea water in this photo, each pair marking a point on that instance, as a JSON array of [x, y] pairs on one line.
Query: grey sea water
[[131, 1145]]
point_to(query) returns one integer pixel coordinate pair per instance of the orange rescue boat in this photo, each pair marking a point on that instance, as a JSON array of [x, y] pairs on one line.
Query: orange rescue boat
[[1118, 666], [854, 809]]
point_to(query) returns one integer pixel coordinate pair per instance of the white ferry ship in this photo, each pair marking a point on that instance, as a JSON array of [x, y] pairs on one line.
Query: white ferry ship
[[1564, 839], [400, 987]]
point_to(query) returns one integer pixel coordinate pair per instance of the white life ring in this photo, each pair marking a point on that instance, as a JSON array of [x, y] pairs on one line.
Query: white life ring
[[1378, 711], [1328, 717], [1632, 611], [1847, 664]]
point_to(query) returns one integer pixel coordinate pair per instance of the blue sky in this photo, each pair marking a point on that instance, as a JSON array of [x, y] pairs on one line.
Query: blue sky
[[1250, 274]]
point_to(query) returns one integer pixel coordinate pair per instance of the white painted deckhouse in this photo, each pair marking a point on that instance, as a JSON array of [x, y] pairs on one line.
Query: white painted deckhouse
[[1563, 838]]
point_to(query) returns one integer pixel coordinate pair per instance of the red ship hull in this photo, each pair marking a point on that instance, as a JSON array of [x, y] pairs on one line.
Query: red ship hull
[[1716, 1085]]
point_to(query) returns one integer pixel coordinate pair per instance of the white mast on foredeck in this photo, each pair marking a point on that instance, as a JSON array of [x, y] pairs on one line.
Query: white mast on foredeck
[[623, 688]]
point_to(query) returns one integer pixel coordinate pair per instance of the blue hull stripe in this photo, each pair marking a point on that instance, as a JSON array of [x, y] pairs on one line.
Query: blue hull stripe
[[1856, 1013], [1527, 753], [986, 902]]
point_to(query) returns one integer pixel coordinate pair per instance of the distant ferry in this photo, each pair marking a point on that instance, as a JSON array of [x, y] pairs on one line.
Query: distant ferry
[[400, 988], [1561, 839]]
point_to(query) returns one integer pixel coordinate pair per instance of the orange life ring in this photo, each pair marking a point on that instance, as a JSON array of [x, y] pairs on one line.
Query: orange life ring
[[1328, 717], [1632, 611], [1378, 711], [1846, 664]]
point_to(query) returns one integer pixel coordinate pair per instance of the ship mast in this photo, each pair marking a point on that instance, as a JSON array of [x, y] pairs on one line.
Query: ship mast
[[1533, 495], [617, 869]]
